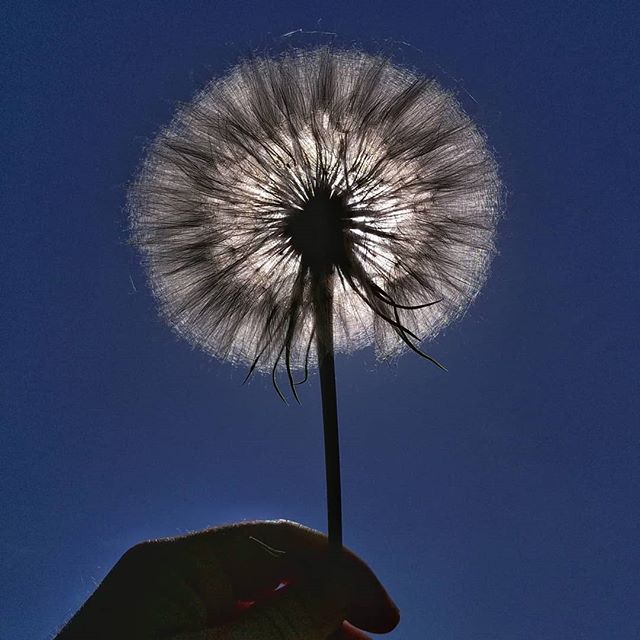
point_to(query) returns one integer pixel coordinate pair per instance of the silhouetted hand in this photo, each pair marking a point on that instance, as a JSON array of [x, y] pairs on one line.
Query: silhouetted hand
[[251, 581]]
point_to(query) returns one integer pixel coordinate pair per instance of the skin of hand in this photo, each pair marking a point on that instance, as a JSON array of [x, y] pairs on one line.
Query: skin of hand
[[267, 580]]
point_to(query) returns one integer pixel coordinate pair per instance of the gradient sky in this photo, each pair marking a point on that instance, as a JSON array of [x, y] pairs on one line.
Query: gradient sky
[[498, 501]]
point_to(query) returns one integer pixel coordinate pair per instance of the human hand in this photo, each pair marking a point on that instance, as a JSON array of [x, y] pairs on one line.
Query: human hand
[[270, 580]]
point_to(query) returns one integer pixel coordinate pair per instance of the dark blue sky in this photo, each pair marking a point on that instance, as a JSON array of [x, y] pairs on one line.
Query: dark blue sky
[[497, 501]]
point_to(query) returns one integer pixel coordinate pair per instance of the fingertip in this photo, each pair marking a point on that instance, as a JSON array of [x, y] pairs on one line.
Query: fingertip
[[374, 611], [369, 606]]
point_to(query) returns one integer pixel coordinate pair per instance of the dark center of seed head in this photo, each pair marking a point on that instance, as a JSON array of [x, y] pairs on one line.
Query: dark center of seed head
[[317, 231]]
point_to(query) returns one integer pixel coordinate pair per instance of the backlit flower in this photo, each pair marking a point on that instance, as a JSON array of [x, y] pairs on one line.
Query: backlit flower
[[318, 163]]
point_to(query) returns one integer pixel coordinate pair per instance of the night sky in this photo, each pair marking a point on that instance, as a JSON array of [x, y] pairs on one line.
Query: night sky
[[497, 501]]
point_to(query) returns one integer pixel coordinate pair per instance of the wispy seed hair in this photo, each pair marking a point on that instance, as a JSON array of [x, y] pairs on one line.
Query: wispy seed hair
[[407, 179]]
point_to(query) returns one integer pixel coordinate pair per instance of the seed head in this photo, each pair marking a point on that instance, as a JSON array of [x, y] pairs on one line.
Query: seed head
[[317, 164]]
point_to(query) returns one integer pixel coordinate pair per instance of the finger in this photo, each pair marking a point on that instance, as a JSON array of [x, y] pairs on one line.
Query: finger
[[353, 584], [252, 573]]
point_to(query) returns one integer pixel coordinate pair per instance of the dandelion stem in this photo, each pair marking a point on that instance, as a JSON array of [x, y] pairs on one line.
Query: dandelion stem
[[323, 310]]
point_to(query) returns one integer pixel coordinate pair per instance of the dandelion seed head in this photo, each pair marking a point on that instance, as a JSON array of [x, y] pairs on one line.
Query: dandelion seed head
[[316, 162]]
